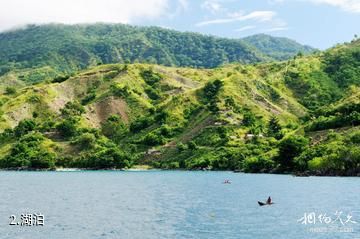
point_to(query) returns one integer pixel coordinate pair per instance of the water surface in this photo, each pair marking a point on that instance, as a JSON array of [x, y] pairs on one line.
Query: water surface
[[176, 204]]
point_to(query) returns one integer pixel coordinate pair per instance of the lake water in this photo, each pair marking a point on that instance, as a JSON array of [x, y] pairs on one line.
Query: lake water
[[177, 204]]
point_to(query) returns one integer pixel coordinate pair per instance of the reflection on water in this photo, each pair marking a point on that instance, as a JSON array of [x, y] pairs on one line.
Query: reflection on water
[[177, 204]]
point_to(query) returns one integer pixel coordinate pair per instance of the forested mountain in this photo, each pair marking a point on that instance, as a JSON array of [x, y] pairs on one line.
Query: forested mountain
[[67, 48], [278, 48], [301, 115]]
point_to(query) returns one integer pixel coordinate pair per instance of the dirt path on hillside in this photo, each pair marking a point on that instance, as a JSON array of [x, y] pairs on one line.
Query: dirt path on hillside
[[99, 112]]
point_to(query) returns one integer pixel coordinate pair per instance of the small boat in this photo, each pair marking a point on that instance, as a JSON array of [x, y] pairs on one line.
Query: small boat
[[227, 181], [268, 202]]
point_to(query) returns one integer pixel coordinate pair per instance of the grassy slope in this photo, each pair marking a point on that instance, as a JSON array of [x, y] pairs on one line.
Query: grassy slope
[[181, 90], [283, 89], [244, 83]]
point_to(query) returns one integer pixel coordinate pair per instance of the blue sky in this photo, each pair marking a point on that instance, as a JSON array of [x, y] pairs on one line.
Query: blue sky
[[319, 23]]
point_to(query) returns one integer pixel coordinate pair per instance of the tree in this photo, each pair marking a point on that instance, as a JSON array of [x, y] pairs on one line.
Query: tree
[[180, 147], [10, 90], [162, 116], [86, 141], [72, 109], [289, 148], [89, 97], [274, 128], [111, 157], [6, 135], [24, 127], [152, 93], [212, 89], [68, 127], [153, 139], [30, 152], [141, 123], [249, 119], [192, 145], [150, 77], [119, 90], [60, 78], [114, 128]]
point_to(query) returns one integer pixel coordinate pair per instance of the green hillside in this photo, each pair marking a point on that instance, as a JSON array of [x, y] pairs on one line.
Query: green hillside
[[278, 48], [300, 115], [64, 48]]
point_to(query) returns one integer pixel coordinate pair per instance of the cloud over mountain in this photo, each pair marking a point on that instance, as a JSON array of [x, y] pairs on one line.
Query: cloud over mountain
[[18, 12]]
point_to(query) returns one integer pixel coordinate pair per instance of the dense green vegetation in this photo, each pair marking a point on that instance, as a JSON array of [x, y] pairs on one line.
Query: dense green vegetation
[[297, 116], [338, 154], [278, 48], [30, 151], [64, 49]]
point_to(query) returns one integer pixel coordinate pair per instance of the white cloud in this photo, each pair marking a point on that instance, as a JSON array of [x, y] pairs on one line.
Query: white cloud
[[276, 29], [347, 5], [212, 6], [180, 6], [245, 28], [19, 12], [260, 16]]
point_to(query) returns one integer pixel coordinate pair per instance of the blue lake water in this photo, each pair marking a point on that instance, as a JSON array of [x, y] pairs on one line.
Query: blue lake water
[[177, 204]]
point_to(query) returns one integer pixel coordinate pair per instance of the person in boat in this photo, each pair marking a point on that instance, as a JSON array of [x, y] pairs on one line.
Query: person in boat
[[227, 181], [268, 202]]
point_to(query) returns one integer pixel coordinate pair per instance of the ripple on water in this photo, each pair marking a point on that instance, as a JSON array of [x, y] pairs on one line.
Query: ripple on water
[[173, 204]]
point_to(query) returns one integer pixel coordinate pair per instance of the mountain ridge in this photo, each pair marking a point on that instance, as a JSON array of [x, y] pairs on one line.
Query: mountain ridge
[[68, 48], [278, 48]]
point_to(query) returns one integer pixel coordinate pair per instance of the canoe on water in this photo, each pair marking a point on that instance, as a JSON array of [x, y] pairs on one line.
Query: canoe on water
[[268, 202]]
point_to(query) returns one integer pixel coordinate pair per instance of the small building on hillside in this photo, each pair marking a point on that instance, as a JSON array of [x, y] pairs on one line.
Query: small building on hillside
[[153, 152], [250, 136]]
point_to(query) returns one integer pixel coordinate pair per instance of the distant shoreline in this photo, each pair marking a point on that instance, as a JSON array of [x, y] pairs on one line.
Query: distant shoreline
[[142, 168]]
